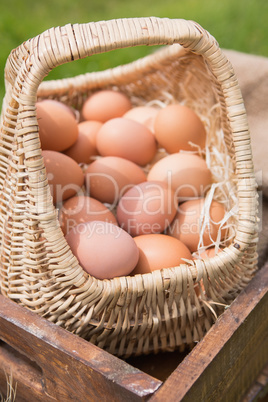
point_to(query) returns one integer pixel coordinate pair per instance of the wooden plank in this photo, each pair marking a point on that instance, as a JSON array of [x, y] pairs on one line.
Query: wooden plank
[[259, 389], [61, 366], [23, 372], [230, 357]]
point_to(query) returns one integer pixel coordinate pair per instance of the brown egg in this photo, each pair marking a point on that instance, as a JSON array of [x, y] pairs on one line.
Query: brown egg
[[157, 251], [90, 128], [108, 178], [105, 105], [80, 209], [70, 110], [58, 128], [143, 114], [177, 127], [146, 208], [188, 174], [65, 177], [210, 252], [188, 222], [103, 249], [85, 148], [127, 139]]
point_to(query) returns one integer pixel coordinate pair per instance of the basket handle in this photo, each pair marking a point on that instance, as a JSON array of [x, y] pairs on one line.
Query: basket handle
[[36, 57], [31, 62]]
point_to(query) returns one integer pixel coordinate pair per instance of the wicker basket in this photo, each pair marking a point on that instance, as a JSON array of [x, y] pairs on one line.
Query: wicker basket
[[136, 314]]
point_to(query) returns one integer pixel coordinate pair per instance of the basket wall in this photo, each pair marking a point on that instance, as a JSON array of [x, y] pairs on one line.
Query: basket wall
[[145, 313]]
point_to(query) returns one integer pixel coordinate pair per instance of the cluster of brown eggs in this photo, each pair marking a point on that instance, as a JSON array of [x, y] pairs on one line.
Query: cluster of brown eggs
[[129, 182]]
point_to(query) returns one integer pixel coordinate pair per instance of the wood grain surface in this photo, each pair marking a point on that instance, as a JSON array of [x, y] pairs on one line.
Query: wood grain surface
[[232, 354], [48, 363]]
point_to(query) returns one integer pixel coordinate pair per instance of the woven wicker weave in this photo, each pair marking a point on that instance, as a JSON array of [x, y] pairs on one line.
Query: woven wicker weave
[[144, 313]]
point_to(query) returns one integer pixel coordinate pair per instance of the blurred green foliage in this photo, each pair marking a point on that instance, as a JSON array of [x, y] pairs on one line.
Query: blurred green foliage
[[236, 24]]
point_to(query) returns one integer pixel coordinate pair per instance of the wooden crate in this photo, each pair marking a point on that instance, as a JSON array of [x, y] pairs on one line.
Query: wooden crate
[[230, 364], [48, 363]]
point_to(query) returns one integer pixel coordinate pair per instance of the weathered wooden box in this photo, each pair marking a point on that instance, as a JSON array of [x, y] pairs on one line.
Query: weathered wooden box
[[48, 363]]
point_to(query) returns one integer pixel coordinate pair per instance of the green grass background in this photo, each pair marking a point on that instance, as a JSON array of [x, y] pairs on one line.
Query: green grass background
[[236, 24]]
